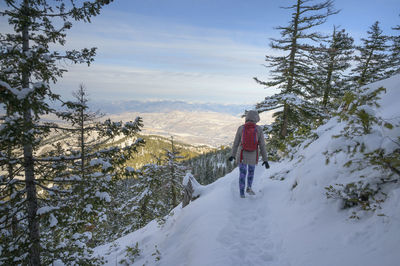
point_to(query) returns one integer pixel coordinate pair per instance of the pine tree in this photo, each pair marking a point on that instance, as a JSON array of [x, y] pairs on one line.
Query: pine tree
[[156, 191], [395, 53], [291, 71], [149, 190], [81, 190], [74, 175], [209, 172], [28, 66], [373, 59], [135, 202], [332, 60], [173, 173]]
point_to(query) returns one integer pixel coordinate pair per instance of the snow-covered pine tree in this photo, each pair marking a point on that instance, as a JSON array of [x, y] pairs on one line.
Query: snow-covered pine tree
[[291, 71], [155, 192], [83, 170], [74, 180], [173, 173], [373, 164], [11, 195], [373, 62], [27, 67], [332, 59], [149, 197]]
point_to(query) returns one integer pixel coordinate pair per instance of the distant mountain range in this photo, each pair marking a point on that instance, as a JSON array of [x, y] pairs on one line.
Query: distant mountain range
[[165, 106], [162, 106]]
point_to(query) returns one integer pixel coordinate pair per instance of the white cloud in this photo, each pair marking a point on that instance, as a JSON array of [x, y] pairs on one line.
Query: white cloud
[[118, 82], [148, 59], [171, 44]]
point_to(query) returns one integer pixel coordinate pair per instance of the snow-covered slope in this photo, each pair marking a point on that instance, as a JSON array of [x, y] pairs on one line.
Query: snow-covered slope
[[288, 222]]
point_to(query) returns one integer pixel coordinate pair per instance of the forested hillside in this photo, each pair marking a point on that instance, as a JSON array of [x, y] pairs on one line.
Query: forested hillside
[[156, 146], [208, 167]]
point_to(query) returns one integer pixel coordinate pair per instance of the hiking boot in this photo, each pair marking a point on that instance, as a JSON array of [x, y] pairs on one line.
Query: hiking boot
[[242, 196], [250, 191]]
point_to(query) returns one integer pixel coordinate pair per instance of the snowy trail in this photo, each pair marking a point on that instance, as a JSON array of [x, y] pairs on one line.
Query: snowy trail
[[234, 231], [219, 228], [247, 235]]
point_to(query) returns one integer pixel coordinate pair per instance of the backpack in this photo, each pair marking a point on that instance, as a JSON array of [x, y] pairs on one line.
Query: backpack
[[249, 138]]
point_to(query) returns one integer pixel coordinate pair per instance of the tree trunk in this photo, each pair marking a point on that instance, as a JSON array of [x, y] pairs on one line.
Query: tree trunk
[[328, 84], [361, 81], [82, 142], [293, 51], [33, 222], [31, 198], [143, 212], [285, 121], [173, 189]]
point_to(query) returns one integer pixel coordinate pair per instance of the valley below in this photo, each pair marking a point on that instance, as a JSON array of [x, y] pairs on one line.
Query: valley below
[[192, 127]]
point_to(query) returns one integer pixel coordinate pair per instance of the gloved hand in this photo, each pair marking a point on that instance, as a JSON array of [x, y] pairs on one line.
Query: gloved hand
[[231, 158], [266, 164]]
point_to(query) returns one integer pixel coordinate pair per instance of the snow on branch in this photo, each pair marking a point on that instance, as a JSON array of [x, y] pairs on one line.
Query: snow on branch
[[21, 94], [46, 209], [103, 196], [104, 164]]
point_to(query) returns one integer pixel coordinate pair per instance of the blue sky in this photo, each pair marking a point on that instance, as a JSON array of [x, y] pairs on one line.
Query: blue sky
[[198, 51]]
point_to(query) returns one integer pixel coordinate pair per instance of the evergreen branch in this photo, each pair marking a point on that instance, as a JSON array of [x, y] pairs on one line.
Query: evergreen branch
[[11, 182], [64, 128], [10, 3], [61, 180], [84, 12], [57, 159], [16, 221], [15, 209], [52, 189], [8, 195], [391, 167], [265, 109]]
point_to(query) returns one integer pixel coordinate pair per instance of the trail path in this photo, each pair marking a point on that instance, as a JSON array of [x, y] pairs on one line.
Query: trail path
[[225, 229], [247, 235], [219, 228]]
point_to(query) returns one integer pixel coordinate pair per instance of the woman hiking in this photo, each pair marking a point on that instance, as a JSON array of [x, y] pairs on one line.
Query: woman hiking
[[248, 141]]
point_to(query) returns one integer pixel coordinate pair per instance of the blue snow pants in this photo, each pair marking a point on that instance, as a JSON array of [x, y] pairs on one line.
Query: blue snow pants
[[242, 178]]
